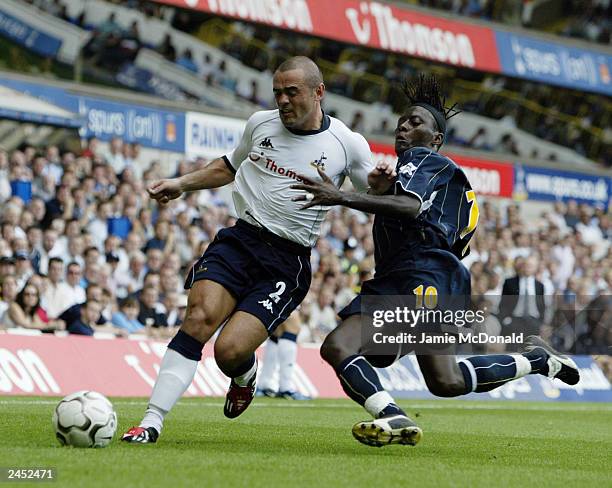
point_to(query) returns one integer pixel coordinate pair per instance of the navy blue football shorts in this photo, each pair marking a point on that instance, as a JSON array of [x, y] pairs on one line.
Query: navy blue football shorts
[[429, 267], [268, 275]]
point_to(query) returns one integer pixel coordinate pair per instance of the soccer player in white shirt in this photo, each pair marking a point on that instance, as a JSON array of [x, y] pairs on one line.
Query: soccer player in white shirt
[[254, 274]]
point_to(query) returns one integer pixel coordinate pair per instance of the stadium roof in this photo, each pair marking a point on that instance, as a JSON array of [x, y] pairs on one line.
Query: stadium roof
[[19, 106]]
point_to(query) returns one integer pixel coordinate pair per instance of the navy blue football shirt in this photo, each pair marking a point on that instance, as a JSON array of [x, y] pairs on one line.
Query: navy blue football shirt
[[448, 209]]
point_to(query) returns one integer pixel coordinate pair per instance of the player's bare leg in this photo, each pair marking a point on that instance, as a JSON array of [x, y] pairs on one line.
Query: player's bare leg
[[208, 307], [235, 355], [343, 351]]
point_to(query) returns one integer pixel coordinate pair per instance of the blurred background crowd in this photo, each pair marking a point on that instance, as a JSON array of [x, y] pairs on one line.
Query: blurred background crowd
[[569, 118], [83, 249]]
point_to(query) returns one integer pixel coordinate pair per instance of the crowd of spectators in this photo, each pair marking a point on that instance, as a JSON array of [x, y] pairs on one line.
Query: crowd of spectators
[[582, 19], [589, 19], [369, 76], [499, 97], [83, 249]]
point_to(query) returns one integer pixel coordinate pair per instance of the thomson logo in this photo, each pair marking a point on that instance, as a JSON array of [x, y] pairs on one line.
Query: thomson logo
[[486, 181], [406, 37], [292, 14]]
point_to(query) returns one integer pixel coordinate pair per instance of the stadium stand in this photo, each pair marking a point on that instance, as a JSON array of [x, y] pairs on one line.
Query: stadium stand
[[556, 117], [583, 19], [118, 241], [85, 203]]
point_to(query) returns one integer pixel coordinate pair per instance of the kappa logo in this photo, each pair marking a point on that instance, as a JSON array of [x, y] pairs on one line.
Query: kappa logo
[[267, 304], [318, 163], [266, 143], [408, 169]]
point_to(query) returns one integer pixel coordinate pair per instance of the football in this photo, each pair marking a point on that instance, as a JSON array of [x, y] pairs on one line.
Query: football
[[84, 419]]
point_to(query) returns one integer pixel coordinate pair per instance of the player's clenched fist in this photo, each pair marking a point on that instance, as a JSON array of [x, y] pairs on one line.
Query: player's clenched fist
[[165, 190], [381, 177]]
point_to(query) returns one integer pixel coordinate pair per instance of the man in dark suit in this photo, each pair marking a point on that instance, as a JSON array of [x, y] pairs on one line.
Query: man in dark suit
[[522, 306]]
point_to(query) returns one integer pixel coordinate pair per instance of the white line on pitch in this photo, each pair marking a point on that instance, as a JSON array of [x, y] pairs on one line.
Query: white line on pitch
[[305, 404]]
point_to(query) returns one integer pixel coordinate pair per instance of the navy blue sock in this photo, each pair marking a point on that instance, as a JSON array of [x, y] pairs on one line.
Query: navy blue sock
[[274, 339], [289, 336], [187, 346], [485, 373], [358, 378]]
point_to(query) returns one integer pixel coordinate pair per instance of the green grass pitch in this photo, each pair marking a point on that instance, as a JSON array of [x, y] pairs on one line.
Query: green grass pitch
[[279, 443]]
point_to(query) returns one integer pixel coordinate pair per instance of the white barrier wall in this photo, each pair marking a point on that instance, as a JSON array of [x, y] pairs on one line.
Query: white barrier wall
[[72, 37]]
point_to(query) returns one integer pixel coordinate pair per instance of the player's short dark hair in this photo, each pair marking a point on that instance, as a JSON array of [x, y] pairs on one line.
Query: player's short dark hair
[[312, 73], [425, 91]]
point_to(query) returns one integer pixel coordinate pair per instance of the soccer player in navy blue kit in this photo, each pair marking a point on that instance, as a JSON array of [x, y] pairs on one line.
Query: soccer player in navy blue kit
[[425, 215]]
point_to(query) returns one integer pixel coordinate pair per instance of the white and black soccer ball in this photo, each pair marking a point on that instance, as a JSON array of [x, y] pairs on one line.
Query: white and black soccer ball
[[85, 419]]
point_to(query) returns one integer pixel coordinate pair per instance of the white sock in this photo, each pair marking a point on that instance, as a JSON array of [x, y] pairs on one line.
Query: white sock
[[268, 369], [244, 379], [523, 365], [377, 403], [287, 355], [154, 417], [175, 375]]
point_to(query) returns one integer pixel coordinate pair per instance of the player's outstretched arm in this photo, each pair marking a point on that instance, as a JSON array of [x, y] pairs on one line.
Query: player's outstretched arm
[[325, 193], [214, 175]]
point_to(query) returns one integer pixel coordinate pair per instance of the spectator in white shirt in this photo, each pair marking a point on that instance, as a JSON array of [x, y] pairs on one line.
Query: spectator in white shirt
[[591, 234], [73, 280], [137, 271], [98, 227], [50, 249], [563, 255], [74, 251], [118, 280], [322, 316], [23, 268], [8, 294], [57, 296], [115, 155]]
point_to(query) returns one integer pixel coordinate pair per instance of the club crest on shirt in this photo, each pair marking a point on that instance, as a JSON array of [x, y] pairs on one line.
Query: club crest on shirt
[[318, 163], [253, 156]]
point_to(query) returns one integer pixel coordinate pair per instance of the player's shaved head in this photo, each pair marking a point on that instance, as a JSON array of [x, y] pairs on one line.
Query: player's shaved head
[[312, 73]]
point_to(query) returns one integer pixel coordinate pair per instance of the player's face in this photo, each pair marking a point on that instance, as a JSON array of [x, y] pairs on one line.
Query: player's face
[[416, 128], [298, 104]]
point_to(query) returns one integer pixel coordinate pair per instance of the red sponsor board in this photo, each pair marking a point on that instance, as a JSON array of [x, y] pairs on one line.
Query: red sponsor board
[[372, 24], [487, 177], [57, 366]]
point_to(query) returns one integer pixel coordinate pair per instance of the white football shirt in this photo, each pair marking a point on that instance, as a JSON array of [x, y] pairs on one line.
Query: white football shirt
[[270, 158]]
